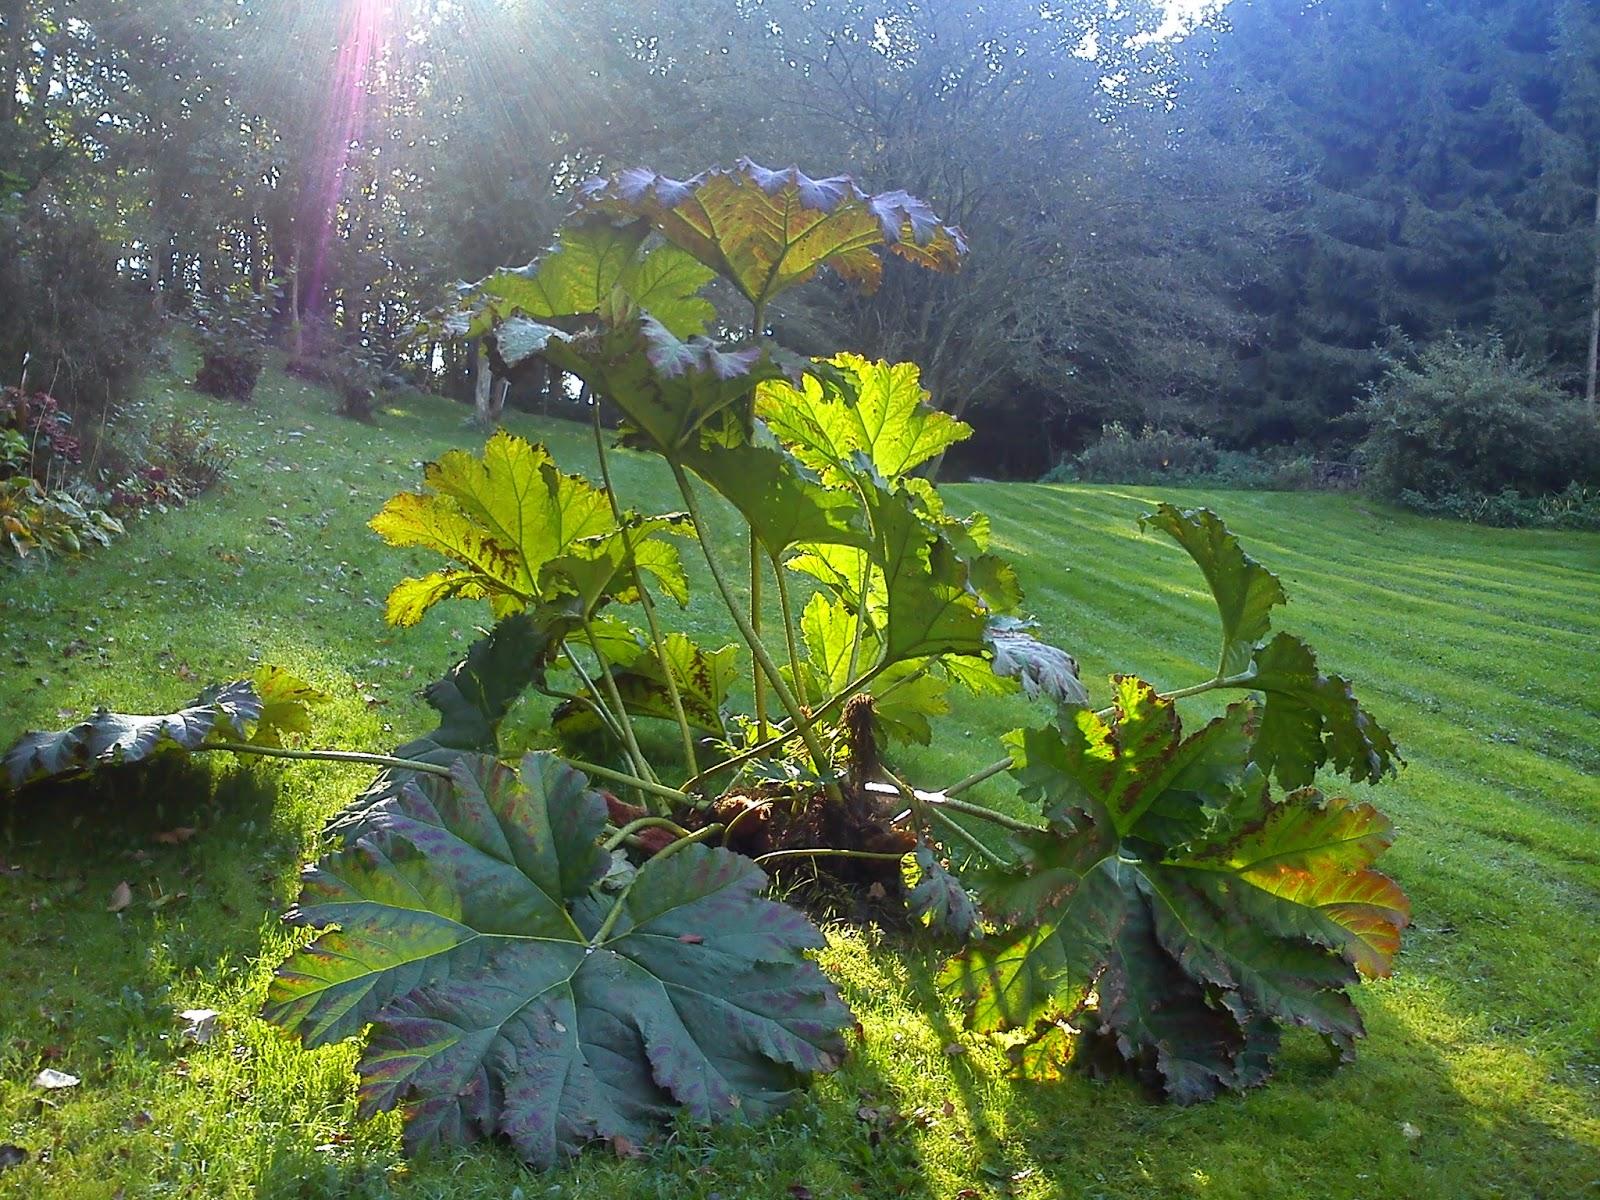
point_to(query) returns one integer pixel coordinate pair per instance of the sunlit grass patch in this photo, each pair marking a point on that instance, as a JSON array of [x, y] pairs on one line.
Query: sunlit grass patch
[[1474, 644]]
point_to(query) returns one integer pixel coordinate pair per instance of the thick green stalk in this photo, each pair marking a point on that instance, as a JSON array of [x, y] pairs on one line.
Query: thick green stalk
[[633, 827], [755, 624], [788, 632], [640, 764], [759, 651], [977, 777], [597, 700], [610, 923], [821, 712], [338, 756], [758, 319], [861, 615], [985, 814], [645, 601], [1242, 679], [925, 811], [624, 779], [951, 825], [827, 852], [757, 806]]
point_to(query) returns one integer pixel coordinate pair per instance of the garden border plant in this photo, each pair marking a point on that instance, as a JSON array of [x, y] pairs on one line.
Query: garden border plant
[[553, 964]]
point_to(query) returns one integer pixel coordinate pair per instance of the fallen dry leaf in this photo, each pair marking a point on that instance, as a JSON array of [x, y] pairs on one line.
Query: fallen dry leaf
[[54, 1080], [200, 1024], [121, 897]]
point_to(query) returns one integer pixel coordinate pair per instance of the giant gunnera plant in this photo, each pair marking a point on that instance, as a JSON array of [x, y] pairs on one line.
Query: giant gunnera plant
[[541, 960]]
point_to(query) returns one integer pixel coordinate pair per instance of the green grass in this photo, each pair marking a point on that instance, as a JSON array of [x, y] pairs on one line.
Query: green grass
[[1477, 646]]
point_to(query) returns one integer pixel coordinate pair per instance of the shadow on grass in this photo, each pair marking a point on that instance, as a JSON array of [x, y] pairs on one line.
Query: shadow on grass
[[1403, 1118], [116, 889]]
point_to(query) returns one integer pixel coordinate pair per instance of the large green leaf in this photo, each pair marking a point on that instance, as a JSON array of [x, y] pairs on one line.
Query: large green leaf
[[229, 712], [829, 629], [286, 704], [1311, 719], [782, 502], [766, 231], [932, 605], [704, 679], [472, 699], [1202, 912], [936, 897], [859, 408], [667, 388], [518, 530], [592, 264], [1245, 591], [468, 928]]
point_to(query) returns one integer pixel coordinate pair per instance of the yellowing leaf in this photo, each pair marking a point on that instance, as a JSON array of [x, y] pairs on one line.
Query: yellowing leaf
[[872, 409], [518, 530], [766, 231]]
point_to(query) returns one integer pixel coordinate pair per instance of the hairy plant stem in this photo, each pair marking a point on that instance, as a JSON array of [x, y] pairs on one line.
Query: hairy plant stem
[[977, 777], [594, 698], [758, 319], [640, 764], [755, 624], [633, 827], [951, 825], [757, 806], [587, 702], [861, 614], [344, 756], [651, 786], [802, 725], [610, 923], [936, 800], [788, 632], [983, 814], [827, 852], [645, 600], [924, 813], [785, 733], [1242, 679]]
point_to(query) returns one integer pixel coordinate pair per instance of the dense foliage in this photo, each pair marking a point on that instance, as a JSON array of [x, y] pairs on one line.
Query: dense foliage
[[545, 962], [1461, 419], [1208, 232], [1150, 455]]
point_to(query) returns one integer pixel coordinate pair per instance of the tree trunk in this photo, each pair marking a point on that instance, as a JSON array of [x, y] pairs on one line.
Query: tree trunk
[[1594, 309], [297, 342], [483, 393]]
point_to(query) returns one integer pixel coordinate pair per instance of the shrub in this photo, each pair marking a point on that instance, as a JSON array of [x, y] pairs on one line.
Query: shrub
[[1465, 418], [1577, 507], [85, 330], [178, 461], [1123, 457], [1165, 456], [36, 522], [1160, 894], [233, 330], [354, 378], [37, 436]]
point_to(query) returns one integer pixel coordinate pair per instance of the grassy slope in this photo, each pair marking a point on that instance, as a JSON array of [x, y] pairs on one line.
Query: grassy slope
[[1478, 646]]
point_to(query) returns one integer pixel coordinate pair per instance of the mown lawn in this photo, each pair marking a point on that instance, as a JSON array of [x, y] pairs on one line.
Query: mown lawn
[[1481, 1075]]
